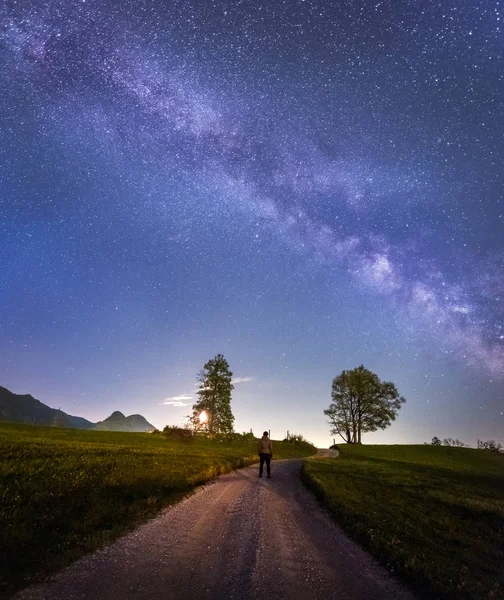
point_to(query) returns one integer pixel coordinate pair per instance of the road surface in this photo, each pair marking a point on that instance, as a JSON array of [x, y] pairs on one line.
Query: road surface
[[238, 537]]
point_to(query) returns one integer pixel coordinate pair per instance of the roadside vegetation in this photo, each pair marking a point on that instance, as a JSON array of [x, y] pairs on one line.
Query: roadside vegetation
[[65, 492], [432, 514]]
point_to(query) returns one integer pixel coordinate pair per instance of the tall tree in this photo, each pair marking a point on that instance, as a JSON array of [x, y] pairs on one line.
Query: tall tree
[[361, 403], [214, 397]]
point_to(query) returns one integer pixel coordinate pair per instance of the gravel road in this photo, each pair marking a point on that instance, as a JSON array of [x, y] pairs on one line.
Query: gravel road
[[238, 537]]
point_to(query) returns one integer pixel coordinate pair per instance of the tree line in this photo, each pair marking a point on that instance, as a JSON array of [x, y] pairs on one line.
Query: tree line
[[361, 403], [490, 445]]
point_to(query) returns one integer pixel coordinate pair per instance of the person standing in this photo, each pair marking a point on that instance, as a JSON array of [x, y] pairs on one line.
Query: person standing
[[265, 454]]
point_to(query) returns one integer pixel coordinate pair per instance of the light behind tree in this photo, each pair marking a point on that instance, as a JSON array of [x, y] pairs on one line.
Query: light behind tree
[[214, 397]]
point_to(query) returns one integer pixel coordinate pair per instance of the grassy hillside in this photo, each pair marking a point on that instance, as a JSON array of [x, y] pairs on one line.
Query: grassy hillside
[[435, 515], [64, 492]]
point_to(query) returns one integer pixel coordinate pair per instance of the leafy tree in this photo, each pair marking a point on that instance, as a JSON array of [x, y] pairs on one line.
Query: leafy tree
[[361, 403], [448, 442], [214, 395], [454, 442], [491, 445]]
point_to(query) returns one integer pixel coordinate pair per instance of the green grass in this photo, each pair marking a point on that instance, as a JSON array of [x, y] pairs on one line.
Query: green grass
[[434, 515], [65, 492]]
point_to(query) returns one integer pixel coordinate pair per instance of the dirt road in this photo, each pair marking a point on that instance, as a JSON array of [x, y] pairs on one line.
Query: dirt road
[[239, 537]]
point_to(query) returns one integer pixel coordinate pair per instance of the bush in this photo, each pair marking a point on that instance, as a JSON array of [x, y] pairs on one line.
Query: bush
[[294, 438], [298, 440], [177, 433]]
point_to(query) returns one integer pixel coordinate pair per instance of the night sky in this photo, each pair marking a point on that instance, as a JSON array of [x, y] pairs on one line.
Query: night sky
[[302, 186]]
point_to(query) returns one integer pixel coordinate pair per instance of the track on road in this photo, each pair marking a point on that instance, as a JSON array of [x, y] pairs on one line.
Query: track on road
[[238, 537]]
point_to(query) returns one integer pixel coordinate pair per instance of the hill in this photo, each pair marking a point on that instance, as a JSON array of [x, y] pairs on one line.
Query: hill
[[433, 514], [118, 422], [24, 408]]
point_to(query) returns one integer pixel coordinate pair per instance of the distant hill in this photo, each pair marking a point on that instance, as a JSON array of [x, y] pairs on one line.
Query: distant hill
[[24, 408], [118, 422]]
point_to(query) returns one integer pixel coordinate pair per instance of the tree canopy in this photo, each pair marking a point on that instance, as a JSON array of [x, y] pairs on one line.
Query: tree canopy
[[212, 411], [361, 403]]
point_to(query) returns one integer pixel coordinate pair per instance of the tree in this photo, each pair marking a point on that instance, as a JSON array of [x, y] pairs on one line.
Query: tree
[[491, 445], [454, 442], [212, 411], [436, 441], [361, 403]]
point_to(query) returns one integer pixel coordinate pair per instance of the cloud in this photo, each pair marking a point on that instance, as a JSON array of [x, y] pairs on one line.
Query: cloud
[[234, 381], [177, 400], [243, 379]]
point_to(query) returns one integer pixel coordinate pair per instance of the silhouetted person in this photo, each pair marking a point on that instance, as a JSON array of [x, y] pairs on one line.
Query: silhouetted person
[[265, 454]]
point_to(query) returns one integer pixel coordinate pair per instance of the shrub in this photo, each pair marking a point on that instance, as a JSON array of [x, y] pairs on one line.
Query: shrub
[[177, 433], [294, 438], [298, 440]]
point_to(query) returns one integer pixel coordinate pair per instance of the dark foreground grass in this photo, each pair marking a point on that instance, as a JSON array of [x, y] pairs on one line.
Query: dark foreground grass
[[65, 492], [434, 515]]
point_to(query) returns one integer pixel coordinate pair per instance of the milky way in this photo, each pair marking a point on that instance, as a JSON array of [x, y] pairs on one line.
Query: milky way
[[159, 159]]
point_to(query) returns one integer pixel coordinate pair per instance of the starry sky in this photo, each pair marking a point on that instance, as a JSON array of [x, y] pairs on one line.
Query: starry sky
[[302, 186]]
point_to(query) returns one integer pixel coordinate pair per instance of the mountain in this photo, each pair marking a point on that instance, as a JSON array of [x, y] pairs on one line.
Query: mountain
[[24, 408], [118, 422]]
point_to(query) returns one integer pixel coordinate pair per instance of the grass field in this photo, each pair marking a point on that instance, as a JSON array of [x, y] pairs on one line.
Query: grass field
[[64, 492], [434, 515]]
